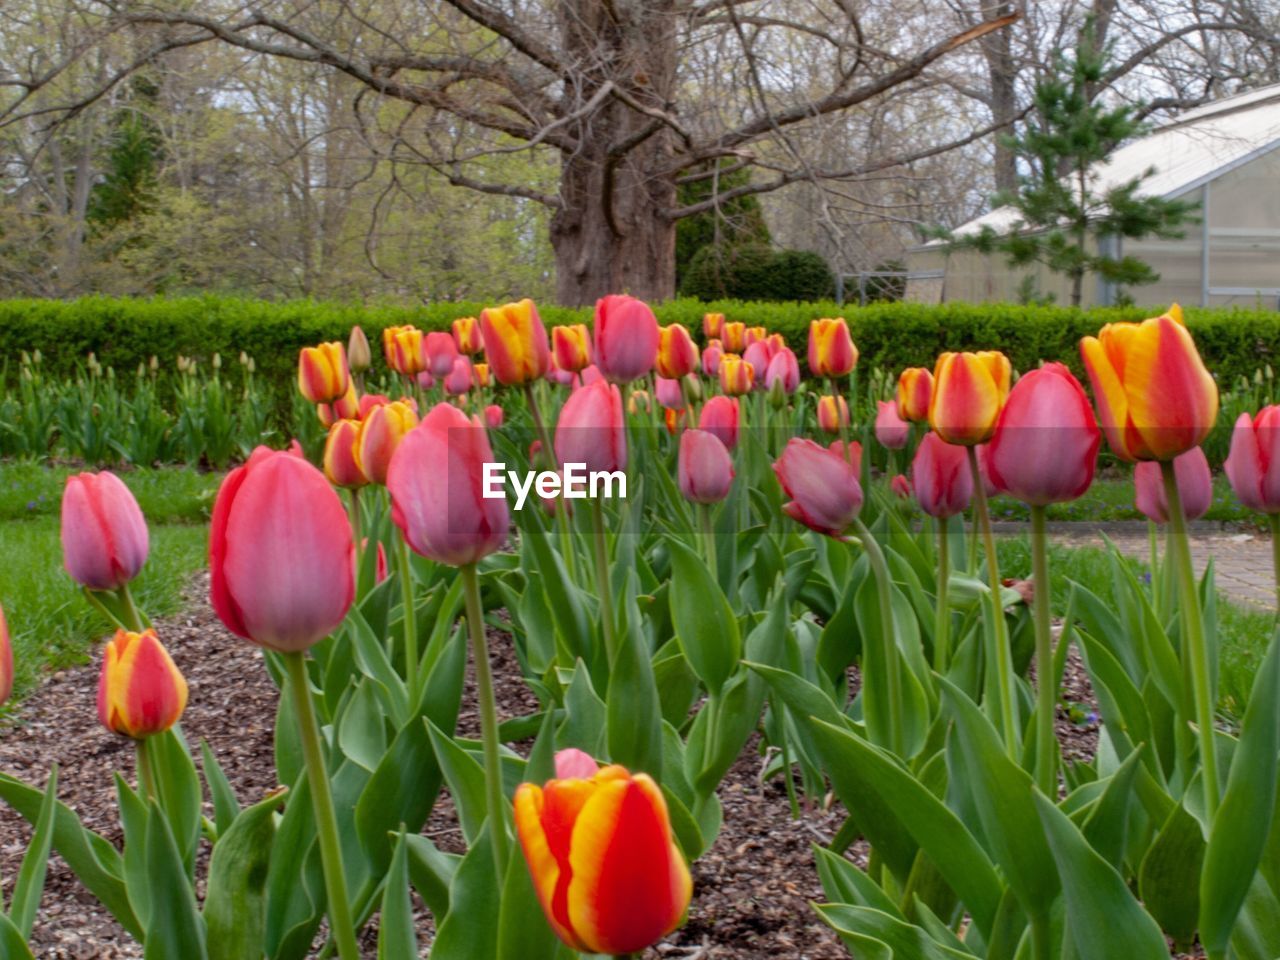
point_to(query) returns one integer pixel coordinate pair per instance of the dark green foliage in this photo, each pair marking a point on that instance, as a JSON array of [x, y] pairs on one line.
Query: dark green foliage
[[801, 275], [755, 272], [1058, 202], [131, 166], [736, 221]]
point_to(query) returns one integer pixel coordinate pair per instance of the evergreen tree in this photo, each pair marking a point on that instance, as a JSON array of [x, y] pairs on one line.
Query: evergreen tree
[[1058, 198], [128, 185], [737, 222]]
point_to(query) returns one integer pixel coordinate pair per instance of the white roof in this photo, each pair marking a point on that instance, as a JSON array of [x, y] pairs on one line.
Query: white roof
[[1198, 146]]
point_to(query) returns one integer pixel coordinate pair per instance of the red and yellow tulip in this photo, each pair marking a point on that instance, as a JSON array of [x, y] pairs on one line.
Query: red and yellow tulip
[[466, 334], [1155, 398], [677, 353], [733, 335], [605, 867], [571, 346], [915, 389], [737, 377], [403, 348], [515, 342], [969, 390], [140, 690], [831, 349], [380, 433], [323, 376], [340, 465], [833, 414], [712, 325]]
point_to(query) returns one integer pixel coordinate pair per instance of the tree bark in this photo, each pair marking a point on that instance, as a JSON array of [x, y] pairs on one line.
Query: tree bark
[[611, 233]]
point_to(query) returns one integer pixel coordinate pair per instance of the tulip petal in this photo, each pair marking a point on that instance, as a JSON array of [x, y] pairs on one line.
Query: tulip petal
[[1109, 392], [1173, 400], [1243, 465]]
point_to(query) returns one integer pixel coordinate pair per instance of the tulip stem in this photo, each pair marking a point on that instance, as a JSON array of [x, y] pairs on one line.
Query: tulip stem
[[488, 716], [136, 621], [841, 421], [1153, 546], [603, 587], [356, 530], [146, 779], [707, 535], [1046, 692], [562, 509], [1193, 630], [888, 635], [942, 617], [410, 621], [1273, 520], [999, 659], [335, 881]]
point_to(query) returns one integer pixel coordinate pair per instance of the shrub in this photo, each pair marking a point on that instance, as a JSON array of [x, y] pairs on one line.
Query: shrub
[[744, 272], [801, 275]]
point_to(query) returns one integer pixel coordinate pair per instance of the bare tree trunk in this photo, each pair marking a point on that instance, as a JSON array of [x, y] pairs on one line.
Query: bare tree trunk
[[997, 48], [611, 233]]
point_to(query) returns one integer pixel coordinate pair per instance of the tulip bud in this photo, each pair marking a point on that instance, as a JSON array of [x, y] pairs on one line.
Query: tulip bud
[[638, 402], [833, 414], [900, 486], [216, 361], [441, 352], [705, 469], [359, 356], [941, 476], [891, 430], [1253, 466], [322, 372], [480, 371], [603, 860], [515, 342], [915, 389], [824, 490], [104, 536], [968, 391], [831, 349], [1046, 439], [140, 690], [784, 371], [340, 465], [672, 419], [425, 380], [712, 325], [571, 347], [460, 378], [154, 363], [733, 335], [466, 335], [6, 660], [677, 353], [381, 432], [670, 393], [626, 338], [493, 416], [591, 429], [711, 356], [720, 417], [280, 553], [755, 335], [736, 375], [405, 356], [757, 356], [436, 482], [1195, 486], [1155, 398]]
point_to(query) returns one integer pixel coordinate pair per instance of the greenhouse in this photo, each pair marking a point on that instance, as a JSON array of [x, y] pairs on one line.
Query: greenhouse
[[1224, 156]]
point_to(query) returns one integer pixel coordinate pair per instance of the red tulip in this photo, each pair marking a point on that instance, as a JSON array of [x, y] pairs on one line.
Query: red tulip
[[592, 429], [441, 351], [755, 335], [705, 467], [941, 477], [677, 353], [984, 469], [900, 486], [6, 660], [493, 416], [891, 430], [670, 393], [1253, 466], [403, 347], [603, 861], [280, 553], [141, 692], [437, 487], [784, 368], [340, 464], [1046, 440], [104, 537], [1195, 486], [720, 417], [626, 338], [824, 490], [673, 419]]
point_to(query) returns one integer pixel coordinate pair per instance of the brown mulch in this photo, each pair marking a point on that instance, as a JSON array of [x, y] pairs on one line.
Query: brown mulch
[[752, 889]]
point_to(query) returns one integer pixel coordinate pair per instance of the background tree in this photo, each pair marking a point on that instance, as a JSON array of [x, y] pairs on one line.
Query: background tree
[[1059, 203]]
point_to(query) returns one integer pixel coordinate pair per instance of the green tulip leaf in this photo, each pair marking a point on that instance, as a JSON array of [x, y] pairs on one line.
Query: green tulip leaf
[[174, 927], [397, 938], [235, 905], [705, 623]]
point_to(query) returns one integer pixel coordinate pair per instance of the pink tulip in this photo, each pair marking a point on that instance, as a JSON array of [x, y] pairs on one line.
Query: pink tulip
[[441, 350], [784, 368], [720, 417], [1195, 486], [670, 393], [941, 477], [426, 379], [824, 490], [984, 470], [854, 455], [900, 486], [626, 338], [711, 355], [575, 764], [1046, 441], [1253, 466], [104, 536], [493, 416], [280, 553], [759, 355], [436, 482], [705, 468], [459, 379], [891, 430], [589, 376], [6, 660], [592, 429]]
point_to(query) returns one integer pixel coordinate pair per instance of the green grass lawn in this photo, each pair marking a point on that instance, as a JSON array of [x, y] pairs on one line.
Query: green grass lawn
[[1111, 498], [51, 624]]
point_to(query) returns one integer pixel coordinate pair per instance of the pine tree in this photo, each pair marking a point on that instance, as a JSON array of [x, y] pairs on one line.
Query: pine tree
[[1058, 198]]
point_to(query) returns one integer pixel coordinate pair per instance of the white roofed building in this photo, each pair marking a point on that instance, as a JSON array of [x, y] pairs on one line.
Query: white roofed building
[[1224, 156]]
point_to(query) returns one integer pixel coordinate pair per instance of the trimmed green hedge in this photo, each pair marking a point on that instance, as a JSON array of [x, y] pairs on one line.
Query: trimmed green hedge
[[124, 332]]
